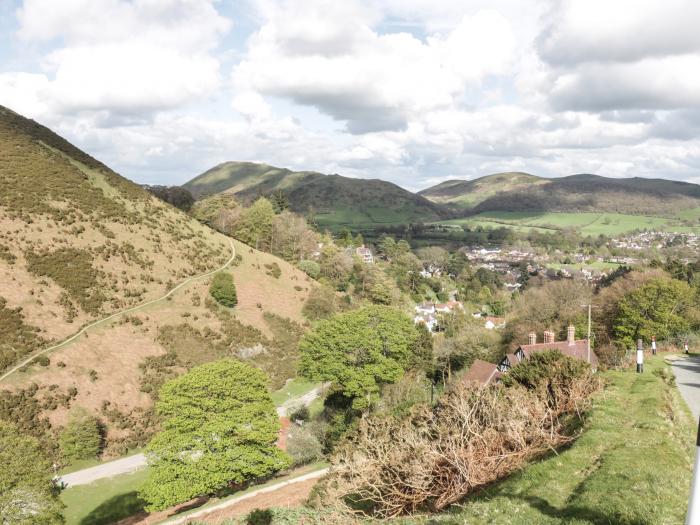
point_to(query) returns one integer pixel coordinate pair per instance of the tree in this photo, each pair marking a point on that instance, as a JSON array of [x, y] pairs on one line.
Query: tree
[[322, 303], [223, 289], [279, 201], [661, 308], [219, 428], [255, 224], [81, 438], [27, 495], [359, 351]]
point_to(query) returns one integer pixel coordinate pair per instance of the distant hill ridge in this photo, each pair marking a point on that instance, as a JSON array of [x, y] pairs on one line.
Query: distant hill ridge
[[574, 193], [333, 199]]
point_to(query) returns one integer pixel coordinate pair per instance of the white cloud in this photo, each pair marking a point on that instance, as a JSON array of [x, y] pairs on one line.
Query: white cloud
[[370, 80]]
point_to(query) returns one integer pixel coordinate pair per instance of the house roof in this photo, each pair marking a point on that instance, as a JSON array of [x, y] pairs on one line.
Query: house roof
[[578, 349], [482, 372], [512, 359]]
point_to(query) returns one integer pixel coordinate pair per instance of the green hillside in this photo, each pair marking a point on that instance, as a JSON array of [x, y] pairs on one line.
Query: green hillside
[[104, 293], [520, 192], [466, 194], [333, 200]]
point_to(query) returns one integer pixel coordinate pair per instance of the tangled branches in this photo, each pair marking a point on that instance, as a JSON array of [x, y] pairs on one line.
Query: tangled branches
[[472, 437]]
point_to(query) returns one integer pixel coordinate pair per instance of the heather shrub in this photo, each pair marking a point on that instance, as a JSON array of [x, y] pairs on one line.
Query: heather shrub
[[223, 289]]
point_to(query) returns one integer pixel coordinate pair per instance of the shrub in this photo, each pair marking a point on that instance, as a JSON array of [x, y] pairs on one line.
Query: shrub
[[273, 270], [472, 437], [310, 268], [81, 438], [322, 303], [303, 446], [259, 517], [42, 360], [223, 289]]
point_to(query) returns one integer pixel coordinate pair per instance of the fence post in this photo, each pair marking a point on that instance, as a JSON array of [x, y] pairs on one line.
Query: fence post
[[653, 345], [640, 357]]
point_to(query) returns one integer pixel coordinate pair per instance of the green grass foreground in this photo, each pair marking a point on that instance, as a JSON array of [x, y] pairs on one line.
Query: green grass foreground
[[632, 465]]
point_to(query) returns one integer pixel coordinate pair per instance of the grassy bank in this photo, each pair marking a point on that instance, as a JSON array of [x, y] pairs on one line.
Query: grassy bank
[[631, 466]]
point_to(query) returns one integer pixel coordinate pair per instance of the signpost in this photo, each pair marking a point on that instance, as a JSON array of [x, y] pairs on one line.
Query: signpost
[[653, 345], [640, 357]]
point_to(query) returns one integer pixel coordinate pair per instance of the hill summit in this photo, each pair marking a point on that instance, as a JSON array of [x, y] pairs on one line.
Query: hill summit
[[574, 193], [333, 200]]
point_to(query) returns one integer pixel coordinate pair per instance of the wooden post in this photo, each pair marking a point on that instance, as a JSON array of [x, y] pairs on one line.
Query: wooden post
[[653, 345], [640, 357]]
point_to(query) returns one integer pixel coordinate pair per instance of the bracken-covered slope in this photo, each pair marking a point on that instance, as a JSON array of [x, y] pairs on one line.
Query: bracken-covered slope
[[332, 199], [78, 242], [575, 193]]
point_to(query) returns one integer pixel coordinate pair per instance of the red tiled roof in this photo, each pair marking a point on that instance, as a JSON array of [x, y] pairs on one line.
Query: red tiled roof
[[512, 359], [578, 350], [482, 372]]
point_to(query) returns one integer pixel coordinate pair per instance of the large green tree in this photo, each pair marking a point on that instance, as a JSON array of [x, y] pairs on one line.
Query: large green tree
[[81, 438], [27, 495], [360, 350], [255, 225], [220, 427], [662, 307]]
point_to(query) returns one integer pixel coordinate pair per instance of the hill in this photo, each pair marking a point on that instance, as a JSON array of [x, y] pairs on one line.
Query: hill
[[79, 243], [520, 192], [332, 200]]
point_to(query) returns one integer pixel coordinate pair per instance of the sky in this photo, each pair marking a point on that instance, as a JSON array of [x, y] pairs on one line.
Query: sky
[[411, 91]]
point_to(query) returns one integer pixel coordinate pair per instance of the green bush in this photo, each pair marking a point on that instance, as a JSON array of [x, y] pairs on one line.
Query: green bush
[[223, 289], [310, 268], [321, 304], [273, 270], [259, 517], [303, 446], [81, 438]]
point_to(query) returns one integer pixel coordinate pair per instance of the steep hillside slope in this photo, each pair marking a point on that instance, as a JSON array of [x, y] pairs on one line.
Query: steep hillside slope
[[332, 199], [79, 243], [575, 193]]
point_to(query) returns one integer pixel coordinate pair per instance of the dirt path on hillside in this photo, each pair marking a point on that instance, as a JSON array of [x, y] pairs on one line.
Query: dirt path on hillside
[[117, 314]]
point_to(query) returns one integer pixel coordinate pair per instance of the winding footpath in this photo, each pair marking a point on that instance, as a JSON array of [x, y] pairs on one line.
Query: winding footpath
[[117, 314]]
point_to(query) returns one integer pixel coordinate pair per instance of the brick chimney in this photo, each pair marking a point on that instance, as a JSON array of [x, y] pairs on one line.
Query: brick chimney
[[548, 337], [571, 334], [531, 338]]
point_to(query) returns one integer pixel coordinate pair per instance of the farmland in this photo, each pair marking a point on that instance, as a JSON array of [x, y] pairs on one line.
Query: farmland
[[585, 223]]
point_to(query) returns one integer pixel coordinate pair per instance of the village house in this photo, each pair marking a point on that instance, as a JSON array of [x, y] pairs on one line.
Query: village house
[[576, 348], [494, 323], [365, 254], [428, 313]]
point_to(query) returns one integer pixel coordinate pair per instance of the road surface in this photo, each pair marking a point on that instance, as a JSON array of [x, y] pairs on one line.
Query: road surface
[[104, 470], [687, 372], [117, 314], [137, 461]]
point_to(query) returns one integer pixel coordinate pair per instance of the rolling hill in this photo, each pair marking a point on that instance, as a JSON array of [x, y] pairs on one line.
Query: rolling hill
[[79, 244], [333, 200], [521, 192]]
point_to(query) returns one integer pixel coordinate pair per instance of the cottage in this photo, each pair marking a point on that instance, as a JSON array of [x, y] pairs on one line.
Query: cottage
[[482, 372], [492, 323], [365, 254], [576, 348]]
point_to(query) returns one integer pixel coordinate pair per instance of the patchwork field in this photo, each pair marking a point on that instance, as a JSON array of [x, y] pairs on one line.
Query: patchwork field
[[586, 223]]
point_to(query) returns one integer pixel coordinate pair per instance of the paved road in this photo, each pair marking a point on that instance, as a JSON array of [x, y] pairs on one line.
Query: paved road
[[105, 470], [117, 314], [687, 372]]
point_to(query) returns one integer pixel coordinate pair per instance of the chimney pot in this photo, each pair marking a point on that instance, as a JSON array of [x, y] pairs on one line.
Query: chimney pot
[[532, 338], [571, 334]]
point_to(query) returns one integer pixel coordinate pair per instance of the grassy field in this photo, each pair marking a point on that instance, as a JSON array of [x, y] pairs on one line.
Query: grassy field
[[631, 466], [585, 223], [104, 501]]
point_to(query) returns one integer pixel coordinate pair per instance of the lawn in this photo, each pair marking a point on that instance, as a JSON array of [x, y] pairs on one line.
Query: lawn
[[104, 501], [294, 388], [632, 465]]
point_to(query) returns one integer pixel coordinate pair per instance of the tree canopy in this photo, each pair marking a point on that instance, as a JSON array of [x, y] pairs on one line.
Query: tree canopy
[[27, 495], [359, 351], [662, 307], [219, 428], [223, 289], [81, 438]]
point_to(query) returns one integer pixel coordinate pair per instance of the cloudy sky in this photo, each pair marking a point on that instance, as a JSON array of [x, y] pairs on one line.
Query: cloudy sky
[[412, 91]]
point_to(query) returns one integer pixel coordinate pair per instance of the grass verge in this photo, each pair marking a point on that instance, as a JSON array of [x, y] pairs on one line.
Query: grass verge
[[632, 465]]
